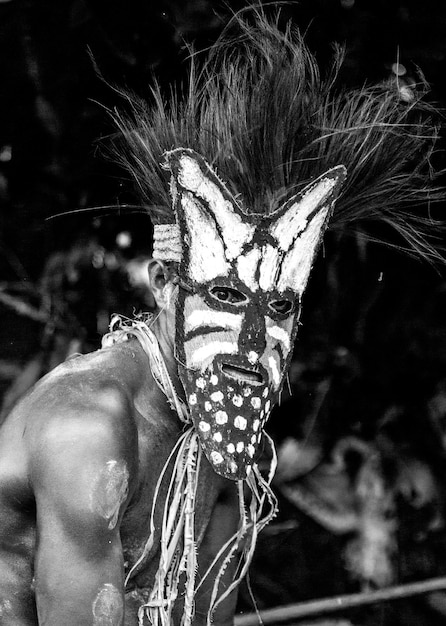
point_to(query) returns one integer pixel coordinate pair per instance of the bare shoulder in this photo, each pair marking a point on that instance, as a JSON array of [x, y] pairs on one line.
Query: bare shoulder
[[122, 366], [77, 379], [73, 440], [82, 409], [88, 398], [81, 436]]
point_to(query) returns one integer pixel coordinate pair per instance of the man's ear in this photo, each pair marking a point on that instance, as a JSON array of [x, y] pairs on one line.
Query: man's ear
[[159, 281]]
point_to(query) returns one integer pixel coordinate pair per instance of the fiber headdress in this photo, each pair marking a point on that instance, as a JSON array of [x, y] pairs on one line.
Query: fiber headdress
[[260, 113], [240, 176]]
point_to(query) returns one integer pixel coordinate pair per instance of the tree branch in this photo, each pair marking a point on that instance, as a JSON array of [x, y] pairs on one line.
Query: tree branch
[[22, 308], [339, 603]]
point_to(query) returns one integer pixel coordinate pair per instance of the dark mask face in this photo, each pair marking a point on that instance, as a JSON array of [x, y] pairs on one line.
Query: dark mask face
[[236, 319], [234, 360]]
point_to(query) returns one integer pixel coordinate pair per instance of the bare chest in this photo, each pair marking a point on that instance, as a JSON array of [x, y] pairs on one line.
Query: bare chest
[[141, 529]]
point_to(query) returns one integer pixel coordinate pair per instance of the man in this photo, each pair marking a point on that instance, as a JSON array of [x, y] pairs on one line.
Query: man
[[124, 473], [78, 460]]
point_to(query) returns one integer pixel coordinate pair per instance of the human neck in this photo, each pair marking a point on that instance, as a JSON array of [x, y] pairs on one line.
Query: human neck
[[163, 326], [150, 395]]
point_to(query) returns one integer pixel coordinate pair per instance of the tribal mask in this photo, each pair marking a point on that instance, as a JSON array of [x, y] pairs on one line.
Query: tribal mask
[[242, 278]]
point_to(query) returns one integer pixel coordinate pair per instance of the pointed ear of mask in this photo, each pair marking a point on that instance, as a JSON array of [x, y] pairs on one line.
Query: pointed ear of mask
[[210, 221], [299, 225]]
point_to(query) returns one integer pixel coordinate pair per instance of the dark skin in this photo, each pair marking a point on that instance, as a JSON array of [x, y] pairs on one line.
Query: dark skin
[[80, 456]]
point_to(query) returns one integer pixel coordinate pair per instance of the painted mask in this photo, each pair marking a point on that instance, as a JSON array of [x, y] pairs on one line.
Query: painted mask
[[242, 277]]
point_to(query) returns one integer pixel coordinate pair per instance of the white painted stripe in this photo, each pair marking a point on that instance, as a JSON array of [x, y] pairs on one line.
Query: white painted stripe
[[295, 219], [204, 353], [209, 317], [297, 263], [212, 337], [247, 268], [276, 332], [206, 249], [272, 362], [268, 267], [236, 231]]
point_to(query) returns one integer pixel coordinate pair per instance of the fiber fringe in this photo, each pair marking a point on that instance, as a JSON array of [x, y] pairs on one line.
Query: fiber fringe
[[176, 574]]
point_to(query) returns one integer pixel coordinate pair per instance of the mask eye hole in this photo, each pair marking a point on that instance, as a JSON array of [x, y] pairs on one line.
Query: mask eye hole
[[228, 295], [283, 307]]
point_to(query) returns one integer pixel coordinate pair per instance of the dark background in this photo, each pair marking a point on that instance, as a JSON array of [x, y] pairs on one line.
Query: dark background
[[361, 439]]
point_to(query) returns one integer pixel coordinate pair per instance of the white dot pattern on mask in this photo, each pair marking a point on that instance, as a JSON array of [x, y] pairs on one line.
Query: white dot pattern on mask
[[240, 422], [229, 419], [217, 396], [253, 357], [255, 402], [237, 400], [221, 417], [216, 457]]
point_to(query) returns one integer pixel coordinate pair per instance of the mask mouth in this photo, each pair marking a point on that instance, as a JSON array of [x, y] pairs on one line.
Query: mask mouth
[[242, 374]]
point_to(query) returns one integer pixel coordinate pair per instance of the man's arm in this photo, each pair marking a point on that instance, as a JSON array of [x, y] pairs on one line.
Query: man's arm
[[81, 471]]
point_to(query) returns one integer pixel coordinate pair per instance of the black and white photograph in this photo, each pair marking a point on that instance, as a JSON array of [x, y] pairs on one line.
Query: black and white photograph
[[223, 313]]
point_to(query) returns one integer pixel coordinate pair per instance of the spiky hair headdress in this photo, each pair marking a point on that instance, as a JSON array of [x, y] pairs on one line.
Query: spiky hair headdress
[[260, 113]]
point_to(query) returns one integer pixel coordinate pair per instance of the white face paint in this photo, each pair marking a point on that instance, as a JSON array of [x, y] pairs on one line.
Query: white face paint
[[234, 228], [279, 333], [268, 268], [274, 369], [237, 314], [220, 329], [209, 317], [247, 266], [201, 355]]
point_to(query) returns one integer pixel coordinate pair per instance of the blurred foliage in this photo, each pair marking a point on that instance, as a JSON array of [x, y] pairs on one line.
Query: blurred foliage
[[361, 441], [362, 437]]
